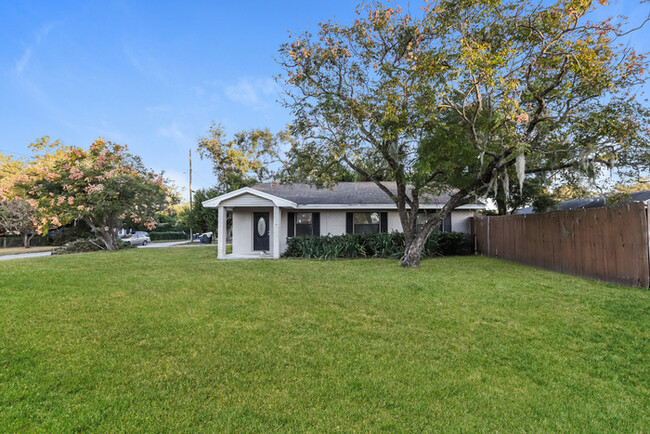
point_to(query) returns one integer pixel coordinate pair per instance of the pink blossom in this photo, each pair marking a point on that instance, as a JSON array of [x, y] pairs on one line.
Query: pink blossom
[[522, 118], [80, 207], [94, 188], [150, 224], [70, 200], [76, 174]]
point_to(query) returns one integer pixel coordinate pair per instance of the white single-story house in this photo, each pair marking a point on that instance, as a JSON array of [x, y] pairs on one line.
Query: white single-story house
[[265, 215]]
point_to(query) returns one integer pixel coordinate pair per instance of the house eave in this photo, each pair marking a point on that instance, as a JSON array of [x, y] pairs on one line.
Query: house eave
[[380, 206], [277, 201], [284, 203]]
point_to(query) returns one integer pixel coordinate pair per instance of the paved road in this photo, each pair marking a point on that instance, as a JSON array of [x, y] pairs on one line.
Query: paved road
[[166, 244], [150, 246], [25, 255]]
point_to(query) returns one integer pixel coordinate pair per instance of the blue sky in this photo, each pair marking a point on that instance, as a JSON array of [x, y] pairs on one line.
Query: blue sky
[[154, 75]]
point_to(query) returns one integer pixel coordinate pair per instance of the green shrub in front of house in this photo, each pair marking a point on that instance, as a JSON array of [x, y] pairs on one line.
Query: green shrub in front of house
[[384, 245]]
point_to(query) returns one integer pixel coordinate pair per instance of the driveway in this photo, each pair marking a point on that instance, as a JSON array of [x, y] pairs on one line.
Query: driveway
[[166, 244]]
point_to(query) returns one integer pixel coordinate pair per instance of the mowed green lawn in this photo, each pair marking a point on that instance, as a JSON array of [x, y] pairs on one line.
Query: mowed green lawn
[[172, 340]]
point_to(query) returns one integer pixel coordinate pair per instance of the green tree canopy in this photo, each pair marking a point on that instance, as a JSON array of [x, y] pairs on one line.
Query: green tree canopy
[[201, 219], [244, 159], [462, 96]]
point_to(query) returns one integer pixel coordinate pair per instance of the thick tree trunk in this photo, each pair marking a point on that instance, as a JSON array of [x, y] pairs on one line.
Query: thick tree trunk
[[105, 233], [109, 238], [26, 240], [502, 206], [413, 251], [415, 245]]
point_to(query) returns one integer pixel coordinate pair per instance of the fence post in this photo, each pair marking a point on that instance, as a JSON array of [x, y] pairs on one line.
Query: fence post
[[488, 235], [647, 219], [4, 243]]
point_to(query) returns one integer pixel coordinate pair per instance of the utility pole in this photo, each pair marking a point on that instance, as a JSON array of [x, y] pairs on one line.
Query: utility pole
[[191, 238]]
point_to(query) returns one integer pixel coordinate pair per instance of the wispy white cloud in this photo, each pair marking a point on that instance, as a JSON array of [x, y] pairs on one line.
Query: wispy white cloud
[[22, 62], [175, 132], [255, 93], [146, 65]]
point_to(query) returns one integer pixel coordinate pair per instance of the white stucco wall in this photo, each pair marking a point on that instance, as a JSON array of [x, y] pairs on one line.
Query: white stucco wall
[[460, 220], [283, 230], [332, 222], [247, 200], [394, 223], [242, 233]]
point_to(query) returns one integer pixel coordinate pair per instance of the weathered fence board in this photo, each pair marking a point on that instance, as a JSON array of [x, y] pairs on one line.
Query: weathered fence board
[[609, 244]]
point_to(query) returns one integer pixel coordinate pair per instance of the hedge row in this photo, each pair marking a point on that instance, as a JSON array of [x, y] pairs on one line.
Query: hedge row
[[168, 235], [71, 235], [384, 245], [17, 241]]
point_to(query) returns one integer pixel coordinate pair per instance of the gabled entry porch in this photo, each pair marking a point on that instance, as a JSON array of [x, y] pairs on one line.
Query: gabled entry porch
[[257, 234], [256, 219]]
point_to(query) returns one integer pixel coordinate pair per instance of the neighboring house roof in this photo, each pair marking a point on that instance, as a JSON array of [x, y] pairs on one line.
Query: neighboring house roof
[[342, 195], [592, 202]]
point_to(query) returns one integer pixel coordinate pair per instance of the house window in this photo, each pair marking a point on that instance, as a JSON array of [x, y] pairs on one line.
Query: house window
[[366, 222], [425, 216], [304, 223]]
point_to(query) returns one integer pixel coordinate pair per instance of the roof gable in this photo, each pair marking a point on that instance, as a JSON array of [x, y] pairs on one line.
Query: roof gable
[[245, 194]]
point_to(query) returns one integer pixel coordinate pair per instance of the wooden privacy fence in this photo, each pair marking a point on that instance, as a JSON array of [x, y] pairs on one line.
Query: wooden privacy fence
[[609, 244]]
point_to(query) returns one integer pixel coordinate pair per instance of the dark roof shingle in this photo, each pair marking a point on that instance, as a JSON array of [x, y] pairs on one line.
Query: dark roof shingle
[[351, 193]]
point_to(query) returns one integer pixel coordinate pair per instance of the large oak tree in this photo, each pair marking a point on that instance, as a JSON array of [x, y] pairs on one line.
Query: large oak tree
[[463, 98]]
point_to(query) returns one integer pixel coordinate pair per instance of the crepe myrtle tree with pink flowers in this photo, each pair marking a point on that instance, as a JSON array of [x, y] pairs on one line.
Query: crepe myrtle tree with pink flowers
[[102, 186]]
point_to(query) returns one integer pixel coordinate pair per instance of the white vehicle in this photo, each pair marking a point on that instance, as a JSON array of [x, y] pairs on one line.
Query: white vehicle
[[138, 239]]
